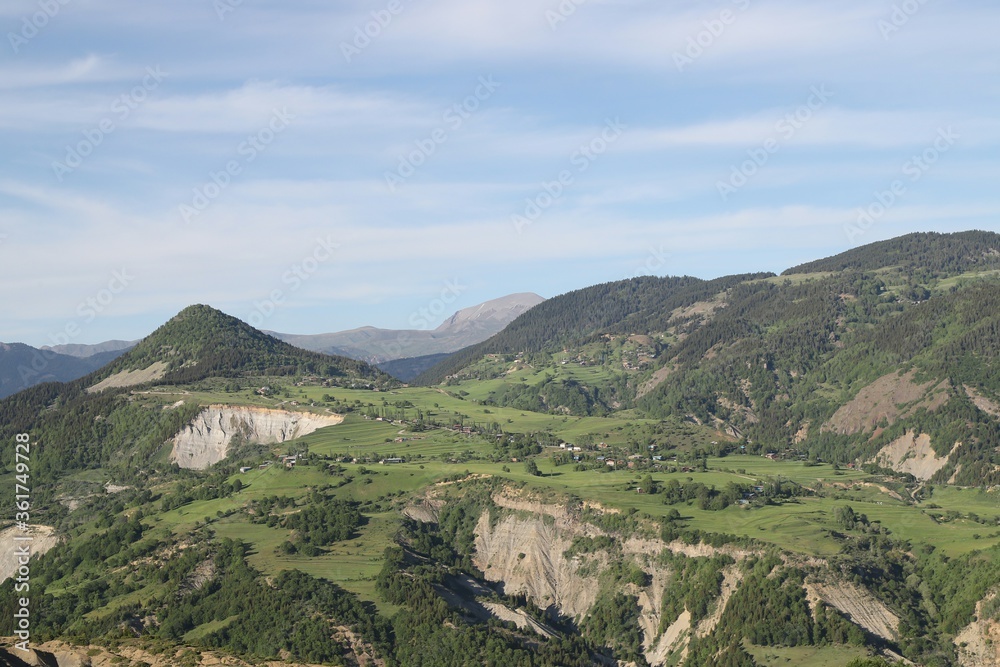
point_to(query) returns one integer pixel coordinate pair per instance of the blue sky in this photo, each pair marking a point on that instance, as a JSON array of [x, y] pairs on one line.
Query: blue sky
[[315, 166]]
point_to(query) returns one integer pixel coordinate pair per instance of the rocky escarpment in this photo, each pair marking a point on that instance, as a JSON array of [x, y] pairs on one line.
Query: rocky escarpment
[[979, 642], [526, 546], [912, 453], [525, 553], [525, 549], [43, 538], [206, 440]]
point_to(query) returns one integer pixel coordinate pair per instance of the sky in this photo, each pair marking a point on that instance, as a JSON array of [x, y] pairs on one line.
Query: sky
[[313, 166]]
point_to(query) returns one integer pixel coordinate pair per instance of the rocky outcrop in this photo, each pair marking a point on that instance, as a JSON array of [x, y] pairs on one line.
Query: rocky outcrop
[[985, 404], [525, 554], [912, 453], [43, 538], [423, 510], [890, 398], [131, 378], [979, 642], [206, 440], [858, 605], [524, 547]]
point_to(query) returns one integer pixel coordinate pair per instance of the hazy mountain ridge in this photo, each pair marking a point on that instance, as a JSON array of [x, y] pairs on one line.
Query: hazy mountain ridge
[[577, 316], [408, 368], [23, 366], [465, 327], [84, 350]]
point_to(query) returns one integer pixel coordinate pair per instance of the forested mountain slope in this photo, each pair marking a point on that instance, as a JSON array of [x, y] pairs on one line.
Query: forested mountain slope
[[773, 359]]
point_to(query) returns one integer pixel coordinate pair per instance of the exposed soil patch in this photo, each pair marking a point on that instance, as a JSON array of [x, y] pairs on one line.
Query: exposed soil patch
[[889, 398], [43, 539], [912, 454], [131, 378], [654, 381], [986, 405], [979, 642]]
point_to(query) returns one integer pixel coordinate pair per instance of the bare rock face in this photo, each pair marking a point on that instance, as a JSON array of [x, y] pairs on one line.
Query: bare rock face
[[526, 554], [912, 453], [979, 642], [524, 543], [131, 378], [205, 441], [892, 397], [525, 548], [857, 604], [43, 538]]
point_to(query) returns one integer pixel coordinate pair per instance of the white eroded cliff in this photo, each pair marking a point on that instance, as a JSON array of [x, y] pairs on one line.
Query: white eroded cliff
[[207, 438]]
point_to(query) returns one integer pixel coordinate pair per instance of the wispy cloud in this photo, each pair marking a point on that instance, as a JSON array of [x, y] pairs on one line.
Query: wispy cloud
[[562, 79], [89, 69]]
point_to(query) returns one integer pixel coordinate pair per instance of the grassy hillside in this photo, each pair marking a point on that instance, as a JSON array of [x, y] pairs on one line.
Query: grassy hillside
[[951, 532]]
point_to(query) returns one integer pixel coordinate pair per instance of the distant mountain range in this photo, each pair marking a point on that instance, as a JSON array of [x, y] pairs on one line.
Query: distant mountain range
[[23, 366], [82, 351], [413, 351], [466, 327]]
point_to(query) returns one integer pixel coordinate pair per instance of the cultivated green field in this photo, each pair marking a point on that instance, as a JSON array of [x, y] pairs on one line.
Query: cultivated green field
[[802, 525]]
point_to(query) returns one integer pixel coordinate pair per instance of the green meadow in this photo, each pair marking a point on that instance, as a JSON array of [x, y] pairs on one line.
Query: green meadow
[[805, 525]]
